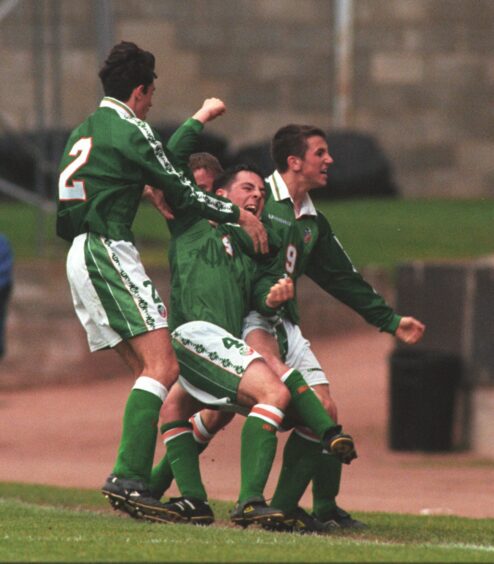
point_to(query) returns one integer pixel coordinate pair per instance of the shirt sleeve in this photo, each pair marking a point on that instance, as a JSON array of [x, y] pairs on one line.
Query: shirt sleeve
[[331, 268], [184, 140], [160, 169]]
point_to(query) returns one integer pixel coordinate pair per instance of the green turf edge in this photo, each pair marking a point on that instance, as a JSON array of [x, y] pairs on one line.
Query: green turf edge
[[61, 524]]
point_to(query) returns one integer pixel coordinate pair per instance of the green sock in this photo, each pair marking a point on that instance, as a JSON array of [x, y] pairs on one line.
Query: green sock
[[258, 447], [184, 459], [307, 404], [162, 474], [138, 441], [300, 458], [326, 485]]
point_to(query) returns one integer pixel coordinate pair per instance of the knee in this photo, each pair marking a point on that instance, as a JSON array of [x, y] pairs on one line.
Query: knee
[[166, 373], [214, 420], [277, 395], [172, 370]]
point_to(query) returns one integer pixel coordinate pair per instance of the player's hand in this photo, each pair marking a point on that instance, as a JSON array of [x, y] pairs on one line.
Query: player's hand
[[211, 108], [280, 293], [255, 229], [410, 330], [157, 198]]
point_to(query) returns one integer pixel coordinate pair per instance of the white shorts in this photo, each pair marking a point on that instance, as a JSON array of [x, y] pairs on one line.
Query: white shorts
[[294, 347], [212, 361], [113, 297]]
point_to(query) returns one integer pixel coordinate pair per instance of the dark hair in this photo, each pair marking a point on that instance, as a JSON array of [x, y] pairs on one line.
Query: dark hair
[[292, 140], [126, 67], [228, 175], [206, 161]]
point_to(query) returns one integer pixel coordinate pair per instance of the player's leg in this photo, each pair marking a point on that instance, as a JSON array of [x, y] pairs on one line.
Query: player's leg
[[326, 479], [151, 356], [119, 308], [205, 424], [219, 369], [327, 468], [183, 457], [303, 452], [259, 334]]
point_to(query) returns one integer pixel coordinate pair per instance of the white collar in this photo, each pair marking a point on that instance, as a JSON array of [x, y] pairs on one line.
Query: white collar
[[122, 109], [280, 192]]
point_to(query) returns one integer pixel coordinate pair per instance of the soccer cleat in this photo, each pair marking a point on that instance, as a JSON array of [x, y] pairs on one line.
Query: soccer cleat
[[191, 510], [255, 510], [340, 519], [299, 521], [132, 497], [340, 444]]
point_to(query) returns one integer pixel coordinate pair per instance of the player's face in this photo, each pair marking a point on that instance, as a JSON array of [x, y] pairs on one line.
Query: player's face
[[247, 191], [314, 166], [204, 179], [144, 101]]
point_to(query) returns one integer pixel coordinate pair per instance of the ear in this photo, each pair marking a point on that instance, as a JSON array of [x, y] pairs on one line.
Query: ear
[[222, 192], [294, 163], [139, 91]]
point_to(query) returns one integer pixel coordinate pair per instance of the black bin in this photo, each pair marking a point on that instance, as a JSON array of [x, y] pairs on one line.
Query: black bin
[[423, 390]]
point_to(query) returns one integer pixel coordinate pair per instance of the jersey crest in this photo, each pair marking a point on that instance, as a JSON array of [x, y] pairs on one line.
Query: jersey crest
[[307, 235]]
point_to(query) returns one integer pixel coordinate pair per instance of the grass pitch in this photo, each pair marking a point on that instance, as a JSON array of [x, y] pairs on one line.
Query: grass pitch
[[41, 523], [380, 231]]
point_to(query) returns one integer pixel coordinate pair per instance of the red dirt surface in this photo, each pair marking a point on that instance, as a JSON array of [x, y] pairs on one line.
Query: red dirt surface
[[68, 436]]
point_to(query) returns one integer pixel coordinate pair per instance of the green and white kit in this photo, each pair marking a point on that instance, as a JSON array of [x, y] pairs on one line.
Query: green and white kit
[[113, 297], [310, 247], [106, 163], [212, 362]]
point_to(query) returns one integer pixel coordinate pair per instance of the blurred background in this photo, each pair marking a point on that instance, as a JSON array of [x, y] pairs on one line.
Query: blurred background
[[404, 90]]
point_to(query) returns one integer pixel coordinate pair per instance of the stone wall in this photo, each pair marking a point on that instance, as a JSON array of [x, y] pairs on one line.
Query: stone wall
[[422, 81]]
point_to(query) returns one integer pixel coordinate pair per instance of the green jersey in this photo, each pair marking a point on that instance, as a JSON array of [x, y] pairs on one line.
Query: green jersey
[[215, 274], [214, 279], [310, 247], [106, 163]]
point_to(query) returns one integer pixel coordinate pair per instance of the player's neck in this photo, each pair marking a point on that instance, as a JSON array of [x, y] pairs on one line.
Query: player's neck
[[296, 187]]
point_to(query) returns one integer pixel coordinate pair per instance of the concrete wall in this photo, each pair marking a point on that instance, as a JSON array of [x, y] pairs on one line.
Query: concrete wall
[[456, 302], [422, 81]]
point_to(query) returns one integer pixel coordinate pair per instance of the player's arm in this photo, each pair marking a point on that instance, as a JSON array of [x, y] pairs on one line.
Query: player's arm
[[331, 268], [280, 292], [410, 330], [271, 287], [184, 140], [182, 195], [182, 143]]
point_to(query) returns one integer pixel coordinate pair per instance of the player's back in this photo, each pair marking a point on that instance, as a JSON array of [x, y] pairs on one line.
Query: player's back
[[99, 186]]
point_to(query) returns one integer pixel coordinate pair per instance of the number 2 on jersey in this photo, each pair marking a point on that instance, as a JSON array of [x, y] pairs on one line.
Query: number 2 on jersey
[[291, 258], [76, 190]]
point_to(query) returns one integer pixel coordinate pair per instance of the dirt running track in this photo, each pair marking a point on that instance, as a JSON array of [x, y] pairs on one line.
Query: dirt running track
[[68, 436]]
